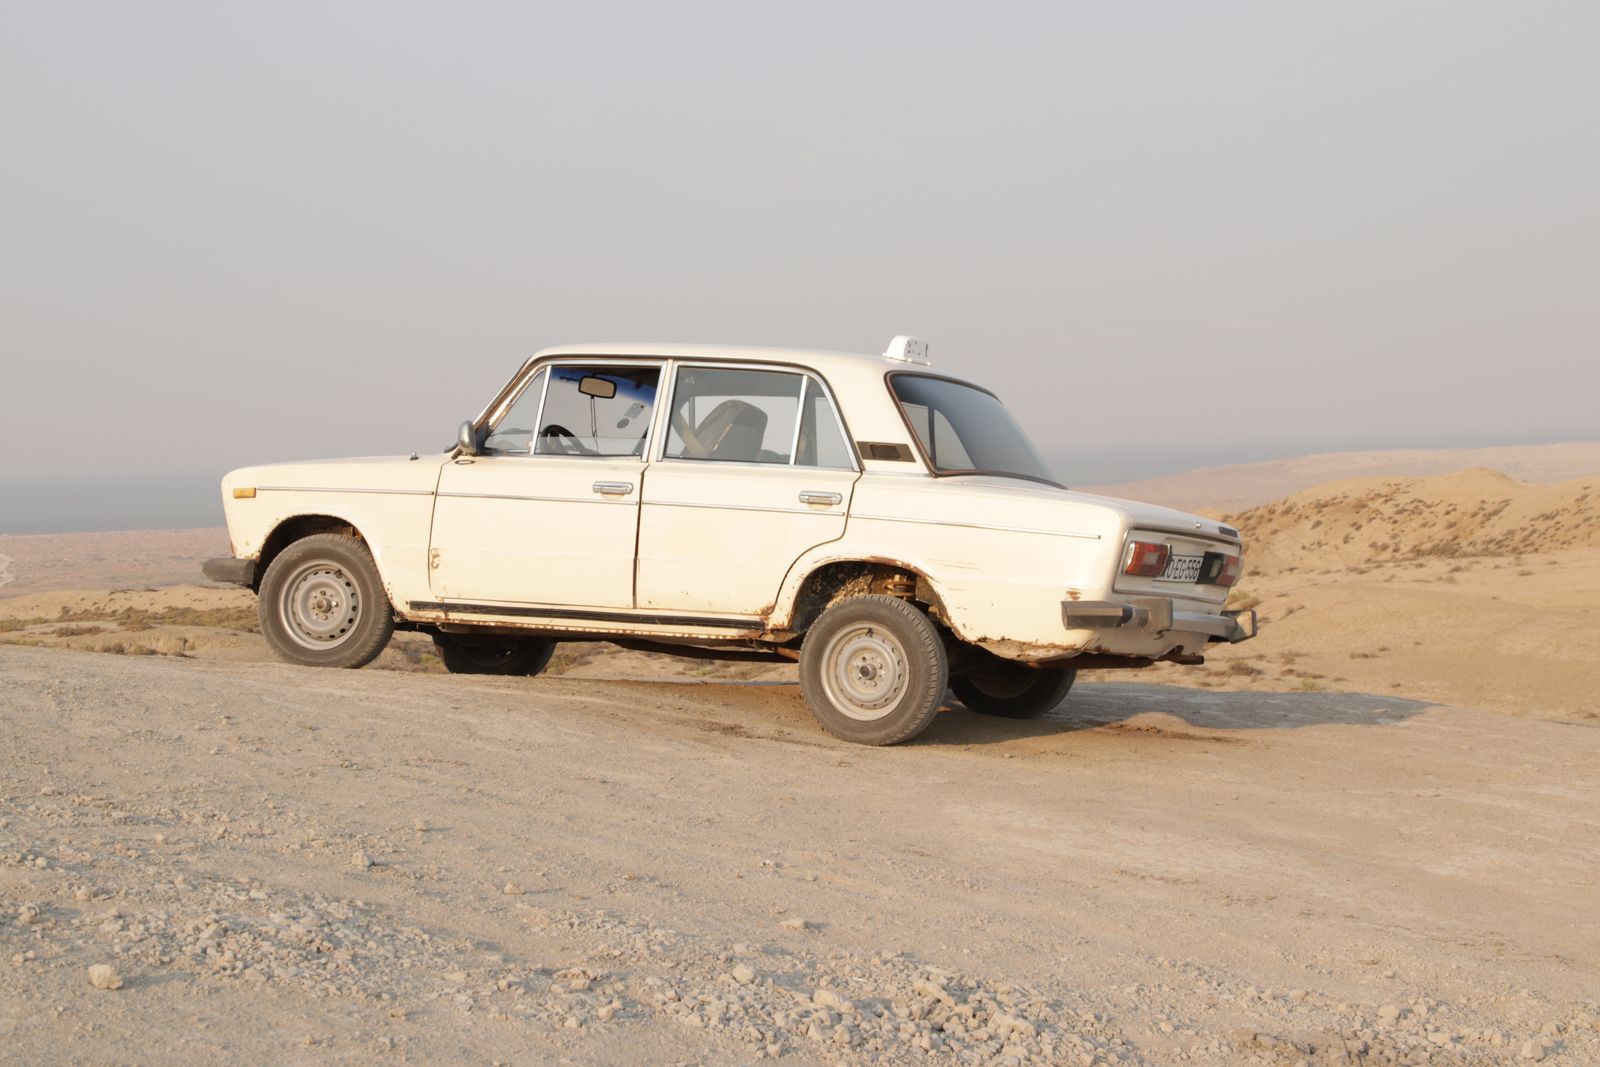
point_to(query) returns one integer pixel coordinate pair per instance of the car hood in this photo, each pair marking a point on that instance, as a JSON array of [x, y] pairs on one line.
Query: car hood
[[360, 474]]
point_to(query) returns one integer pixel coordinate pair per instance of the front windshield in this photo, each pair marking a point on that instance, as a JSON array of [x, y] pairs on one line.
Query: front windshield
[[964, 430]]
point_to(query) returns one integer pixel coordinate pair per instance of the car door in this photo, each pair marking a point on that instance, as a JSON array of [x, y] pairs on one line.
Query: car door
[[755, 469], [548, 513]]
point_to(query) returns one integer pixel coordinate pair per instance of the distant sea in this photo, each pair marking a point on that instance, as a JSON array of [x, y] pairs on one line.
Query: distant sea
[[134, 502]]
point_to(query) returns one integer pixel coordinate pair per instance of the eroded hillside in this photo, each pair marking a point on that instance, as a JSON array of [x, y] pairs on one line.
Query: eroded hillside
[[1472, 513]]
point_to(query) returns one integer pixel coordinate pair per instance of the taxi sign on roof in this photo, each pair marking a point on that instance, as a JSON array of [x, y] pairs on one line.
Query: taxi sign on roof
[[909, 349]]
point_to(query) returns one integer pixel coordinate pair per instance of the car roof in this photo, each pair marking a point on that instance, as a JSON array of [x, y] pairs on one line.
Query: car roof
[[825, 362]]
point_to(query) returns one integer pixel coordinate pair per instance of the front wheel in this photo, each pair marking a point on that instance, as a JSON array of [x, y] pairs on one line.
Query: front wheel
[[1011, 690], [323, 604], [873, 670], [494, 654]]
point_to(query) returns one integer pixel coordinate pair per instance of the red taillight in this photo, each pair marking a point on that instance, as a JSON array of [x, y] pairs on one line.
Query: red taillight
[[1232, 566], [1146, 559]]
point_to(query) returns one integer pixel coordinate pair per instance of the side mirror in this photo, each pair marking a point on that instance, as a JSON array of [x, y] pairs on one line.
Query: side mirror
[[467, 438]]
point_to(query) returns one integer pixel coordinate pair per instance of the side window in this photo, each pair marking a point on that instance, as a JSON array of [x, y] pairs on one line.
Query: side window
[[513, 434], [821, 442], [734, 416], [596, 411]]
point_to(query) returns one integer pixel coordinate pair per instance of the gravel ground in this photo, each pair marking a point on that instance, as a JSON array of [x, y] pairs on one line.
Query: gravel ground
[[203, 860]]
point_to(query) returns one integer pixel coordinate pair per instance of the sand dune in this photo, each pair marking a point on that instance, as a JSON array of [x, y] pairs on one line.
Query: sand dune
[[1215, 490], [1472, 589], [1470, 513]]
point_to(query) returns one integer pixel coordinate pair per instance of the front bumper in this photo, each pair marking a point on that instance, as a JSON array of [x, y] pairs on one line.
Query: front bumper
[[230, 570], [1154, 614]]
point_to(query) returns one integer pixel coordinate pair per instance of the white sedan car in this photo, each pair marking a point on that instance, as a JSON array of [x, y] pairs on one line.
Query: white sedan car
[[888, 526]]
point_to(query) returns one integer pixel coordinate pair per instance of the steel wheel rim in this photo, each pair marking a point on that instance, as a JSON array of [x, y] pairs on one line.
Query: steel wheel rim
[[864, 672], [320, 606]]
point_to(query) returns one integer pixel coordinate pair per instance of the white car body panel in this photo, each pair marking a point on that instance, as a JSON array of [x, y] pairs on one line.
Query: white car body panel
[[719, 551], [388, 498], [535, 530], [720, 538]]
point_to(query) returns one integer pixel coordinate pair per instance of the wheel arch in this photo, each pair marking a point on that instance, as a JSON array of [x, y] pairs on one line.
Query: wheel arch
[[295, 527], [811, 589]]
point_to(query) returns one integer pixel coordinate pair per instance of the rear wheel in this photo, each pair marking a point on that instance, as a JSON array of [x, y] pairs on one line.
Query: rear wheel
[[873, 670], [494, 654], [323, 604], [1001, 687]]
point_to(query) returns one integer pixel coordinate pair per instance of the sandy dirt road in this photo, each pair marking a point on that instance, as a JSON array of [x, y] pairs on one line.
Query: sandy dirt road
[[372, 866]]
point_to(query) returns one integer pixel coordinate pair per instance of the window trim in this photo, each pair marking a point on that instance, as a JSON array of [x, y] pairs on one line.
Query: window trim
[[658, 454], [922, 452], [511, 402], [502, 406]]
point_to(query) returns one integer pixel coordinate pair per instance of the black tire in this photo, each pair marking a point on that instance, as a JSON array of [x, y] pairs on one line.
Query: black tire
[[1001, 687], [323, 604], [873, 670], [494, 654]]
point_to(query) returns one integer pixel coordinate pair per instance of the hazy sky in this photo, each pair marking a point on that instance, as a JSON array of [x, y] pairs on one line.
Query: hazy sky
[[1168, 235]]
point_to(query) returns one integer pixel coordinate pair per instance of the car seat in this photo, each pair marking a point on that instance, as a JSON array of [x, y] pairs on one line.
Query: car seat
[[733, 432]]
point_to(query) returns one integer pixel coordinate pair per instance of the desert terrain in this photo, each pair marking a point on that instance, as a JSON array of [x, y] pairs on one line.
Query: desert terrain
[[1369, 836], [1238, 486]]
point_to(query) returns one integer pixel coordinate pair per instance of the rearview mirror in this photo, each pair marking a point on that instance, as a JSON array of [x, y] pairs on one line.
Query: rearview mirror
[[603, 388], [467, 438]]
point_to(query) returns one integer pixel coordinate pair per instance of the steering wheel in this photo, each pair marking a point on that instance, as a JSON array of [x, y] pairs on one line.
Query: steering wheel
[[567, 440]]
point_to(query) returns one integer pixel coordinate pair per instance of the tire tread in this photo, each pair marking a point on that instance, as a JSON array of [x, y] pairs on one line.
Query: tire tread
[[923, 643], [377, 613], [1051, 691]]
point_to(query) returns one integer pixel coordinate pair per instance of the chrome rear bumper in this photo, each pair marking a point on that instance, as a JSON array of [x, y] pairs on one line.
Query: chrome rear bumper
[[1155, 615]]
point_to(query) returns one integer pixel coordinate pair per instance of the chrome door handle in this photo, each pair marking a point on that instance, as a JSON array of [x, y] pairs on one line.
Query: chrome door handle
[[613, 488], [811, 496]]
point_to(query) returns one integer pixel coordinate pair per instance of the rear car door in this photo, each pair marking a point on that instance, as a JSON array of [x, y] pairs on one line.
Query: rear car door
[[755, 469]]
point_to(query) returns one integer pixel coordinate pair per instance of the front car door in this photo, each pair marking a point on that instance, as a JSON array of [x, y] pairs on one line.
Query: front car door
[[549, 512], [754, 469]]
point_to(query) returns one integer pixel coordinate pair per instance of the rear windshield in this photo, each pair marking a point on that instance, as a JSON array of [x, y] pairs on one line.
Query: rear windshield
[[964, 430]]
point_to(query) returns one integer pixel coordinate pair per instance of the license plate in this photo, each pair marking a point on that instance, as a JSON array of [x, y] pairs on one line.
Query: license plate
[[1182, 569]]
